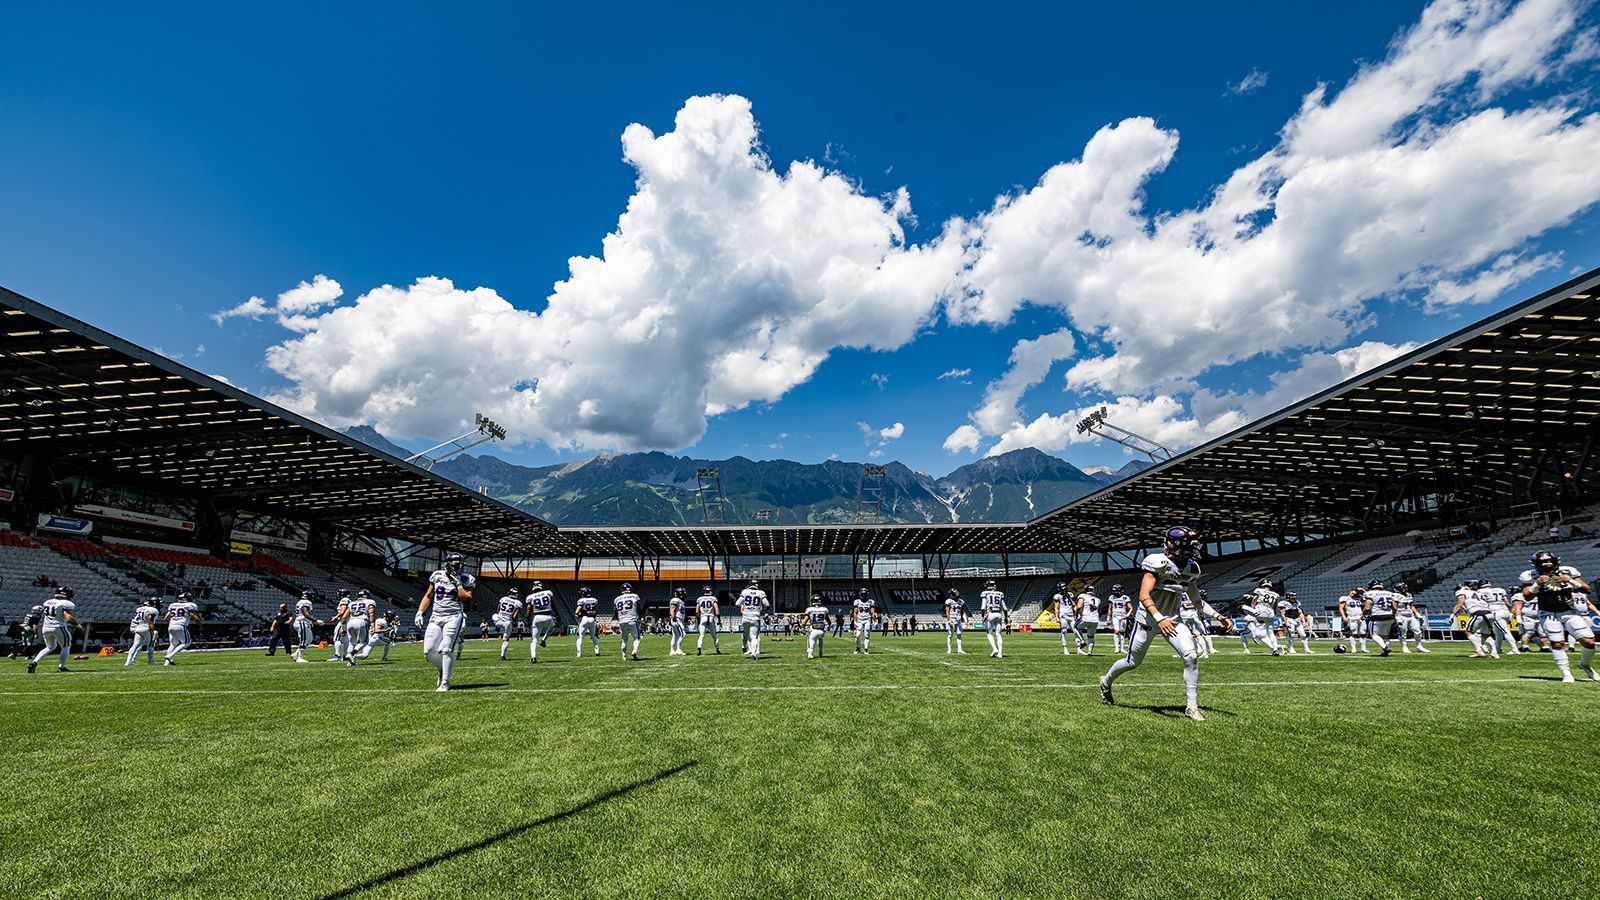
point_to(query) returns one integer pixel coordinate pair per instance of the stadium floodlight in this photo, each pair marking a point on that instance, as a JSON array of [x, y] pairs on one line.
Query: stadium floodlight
[[484, 430], [1095, 423]]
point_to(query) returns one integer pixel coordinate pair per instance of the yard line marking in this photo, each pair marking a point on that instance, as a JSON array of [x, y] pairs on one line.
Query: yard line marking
[[704, 689]]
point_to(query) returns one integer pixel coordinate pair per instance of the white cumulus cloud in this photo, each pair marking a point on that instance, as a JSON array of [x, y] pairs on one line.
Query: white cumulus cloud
[[783, 266], [293, 308]]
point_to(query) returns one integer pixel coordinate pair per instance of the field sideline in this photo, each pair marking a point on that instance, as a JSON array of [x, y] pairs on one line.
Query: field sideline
[[906, 773]]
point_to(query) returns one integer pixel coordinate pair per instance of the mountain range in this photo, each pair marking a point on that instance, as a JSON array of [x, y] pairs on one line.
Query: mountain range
[[659, 489]]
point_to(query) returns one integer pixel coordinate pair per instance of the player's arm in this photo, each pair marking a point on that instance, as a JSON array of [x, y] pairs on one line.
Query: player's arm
[[1207, 609], [1147, 586], [423, 605]]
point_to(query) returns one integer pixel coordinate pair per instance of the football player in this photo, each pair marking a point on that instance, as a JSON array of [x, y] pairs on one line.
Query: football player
[[626, 605], [1408, 619], [955, 621], [677, 625], [1086, 612], [505, 617], [710, 616], [357, 625], [865, 613], [55, 629], [303, 621], [341, 612], [1167, 577], [1479, 631], [541, 617], [1564, 610], [383, 628], [752, 604], [1121, 606], [1296, 623], [1062, 604], [1378, 608], [995, 613], [1259, 609], [181, 613], [1350, 613], [444, 610], [817, 626], [143, 627], [1499, 616], [1189, 614], [585, 614]]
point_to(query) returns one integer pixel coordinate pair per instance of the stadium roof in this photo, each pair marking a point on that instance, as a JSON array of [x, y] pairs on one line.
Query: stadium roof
[[94, 402], [1502, 412]]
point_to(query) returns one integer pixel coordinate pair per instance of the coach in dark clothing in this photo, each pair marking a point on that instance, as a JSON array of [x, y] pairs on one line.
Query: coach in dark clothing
[[281, 630]]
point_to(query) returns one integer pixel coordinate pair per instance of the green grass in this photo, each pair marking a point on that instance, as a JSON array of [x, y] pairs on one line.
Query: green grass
[[904, 774]]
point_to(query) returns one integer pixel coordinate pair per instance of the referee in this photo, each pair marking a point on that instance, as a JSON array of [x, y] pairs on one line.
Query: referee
[[281, 630]]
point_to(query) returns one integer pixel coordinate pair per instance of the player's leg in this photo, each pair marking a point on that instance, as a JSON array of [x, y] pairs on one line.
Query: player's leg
[[1555, 632], [1000, 637], [1066, 629], [1139, 639], [433, 645], [1090, 629], [1183, 642], [51, 645]]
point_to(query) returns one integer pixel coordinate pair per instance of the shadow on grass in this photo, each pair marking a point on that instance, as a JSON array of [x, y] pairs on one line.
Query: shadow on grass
[[491, 840], [478, 686], [1540, 677], [1176, 712]]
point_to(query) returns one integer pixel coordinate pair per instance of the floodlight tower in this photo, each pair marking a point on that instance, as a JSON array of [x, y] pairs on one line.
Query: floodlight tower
[[708, 483], [484, 431], [1095, 423], [869, 496]]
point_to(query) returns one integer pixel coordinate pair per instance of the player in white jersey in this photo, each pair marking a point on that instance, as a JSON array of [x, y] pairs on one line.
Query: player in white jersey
[[541, 618], [1086, 612], [55, 629], [1259, 609], [863, 614], [955, 621], [505, 617], [1121, 606], [444, 610], [304, 619], [1061, 605], [585, 612], [357, 624], [1167, 577], [1564, 610], [1499, 617], [1189, 614], [383, 628], [341, 613], [1408, 621], [364, 604], [816, 625], [752, 604], [1378, 607], [709, 617], [995, 612], [1355, 627], [677, 621], [1479, 630], [181, 613], [143, 627], [1296, 624], [627, 605]]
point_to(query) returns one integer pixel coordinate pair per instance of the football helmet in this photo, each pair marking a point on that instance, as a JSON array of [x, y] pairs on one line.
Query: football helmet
[[679, 592], [1546, 563], [513, 592], [308, 595], [1375, 584], [1483, 583], [755, 583], [863, 593], [627, 588], [1182, 543], [585, 592], [1061, 586], [1399, 587], [990, 584], [707, 590], [953, 594], [185, 596], [1116, 588], [343, 593], [1339, 648], [454, 563], [537, 586], [1291, 596], [364, 593], [66, 592], [1266, 583]]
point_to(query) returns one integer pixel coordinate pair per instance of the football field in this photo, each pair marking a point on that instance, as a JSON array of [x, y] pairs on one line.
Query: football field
[[907, 773]]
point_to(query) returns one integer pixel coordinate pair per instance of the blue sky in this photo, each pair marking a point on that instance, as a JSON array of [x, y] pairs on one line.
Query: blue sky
[[159, 168]]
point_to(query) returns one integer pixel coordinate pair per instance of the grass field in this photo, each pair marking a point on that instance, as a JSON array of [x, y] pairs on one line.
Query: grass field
[[906, 773]]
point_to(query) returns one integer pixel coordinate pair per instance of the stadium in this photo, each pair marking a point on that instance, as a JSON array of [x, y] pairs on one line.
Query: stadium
[[129, 476], [635, 451]]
